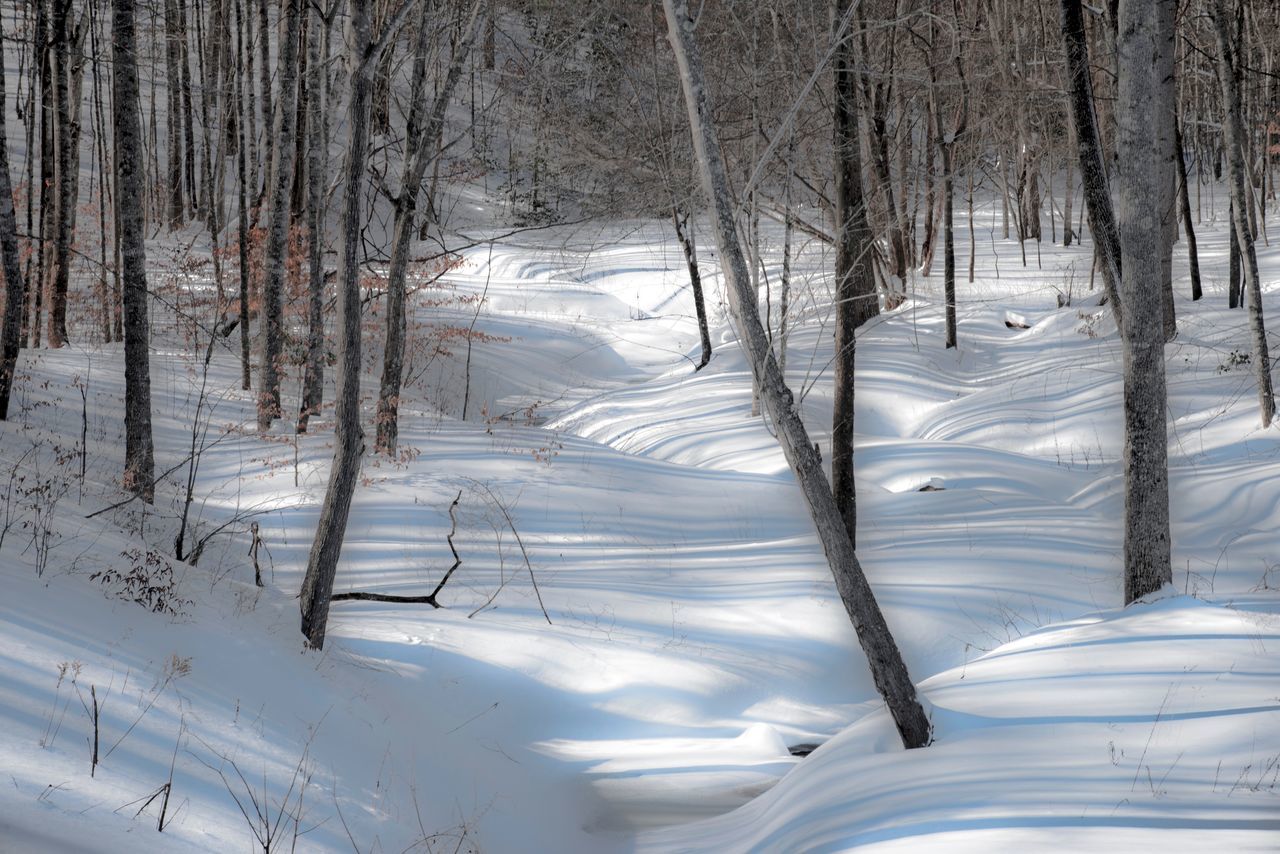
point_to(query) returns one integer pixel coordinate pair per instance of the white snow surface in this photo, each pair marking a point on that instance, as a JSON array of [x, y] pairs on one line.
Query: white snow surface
[[692, 634]]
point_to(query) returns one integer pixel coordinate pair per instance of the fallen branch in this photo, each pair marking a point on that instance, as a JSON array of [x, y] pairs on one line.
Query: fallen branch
[[430, 598]]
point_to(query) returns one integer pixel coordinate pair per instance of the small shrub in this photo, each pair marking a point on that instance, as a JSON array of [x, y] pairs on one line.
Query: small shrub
[[147, 580], [1237, 359]]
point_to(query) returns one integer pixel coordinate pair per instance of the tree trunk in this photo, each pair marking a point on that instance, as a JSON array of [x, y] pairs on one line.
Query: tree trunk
[[855, 283], [1093, 169], [242, 196], [139, 462], [14, 286], [1184, 200], [317, 152], [1233, 261], [948, 145], [684, 234], [784, 284], [887, 667], [188, 123], [264, 81], [66, 170], [1145, 148], [1233, 140], [173, 77], [420, 150], [281, 173], [322, 564], [1068, 199]]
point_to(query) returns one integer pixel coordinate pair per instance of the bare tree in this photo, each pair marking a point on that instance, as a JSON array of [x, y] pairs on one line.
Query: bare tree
[[947, 147], [421, 141], [855, 281], [11, 332], [1145, 183], [887, 667], [317, 152], [139, 456], [317, 585], [1234, 142], [1093, 169], [281, 177]]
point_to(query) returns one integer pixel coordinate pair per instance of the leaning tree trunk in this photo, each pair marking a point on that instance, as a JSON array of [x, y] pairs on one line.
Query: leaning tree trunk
[[139, 462], [282, 150], [1093, 169], [1233, 141], [855, 281], [317, 586], [14, 286], [887, 667], [421, 149], [1145, 145]]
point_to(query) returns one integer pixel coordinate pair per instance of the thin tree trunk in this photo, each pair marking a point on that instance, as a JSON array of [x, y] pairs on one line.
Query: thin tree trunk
[[948, 145], [242, 210], [420, 150], [1093, 169], [173, 76], [788, 229], [11, 332], [322, 564], [1068, 199], [66, 170], [188, 123], [684, 234], [855, 283], [1234, 134], [1184, 199], [1145, 148], [264, 81], [1234, 297], [887, 667], [139, 462], [317, 151], [282, 151]]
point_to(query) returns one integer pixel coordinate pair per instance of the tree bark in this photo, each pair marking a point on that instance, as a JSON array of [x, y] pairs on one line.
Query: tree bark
[[1093, 168], [173, 77], [1233, 141], [14, 286], [887, 667], [322, 564], [66, 114], [684, 234], [317, 151], [282, 150], [856, 301], [242, 195], [139, 461], [421, 149], [1184, 203], [1145, 183]]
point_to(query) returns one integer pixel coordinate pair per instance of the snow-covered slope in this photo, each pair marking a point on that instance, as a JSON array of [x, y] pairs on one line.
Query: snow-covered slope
[[691, 634]]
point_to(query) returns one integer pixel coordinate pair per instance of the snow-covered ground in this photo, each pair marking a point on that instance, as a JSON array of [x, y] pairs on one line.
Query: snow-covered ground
[[691, 633]]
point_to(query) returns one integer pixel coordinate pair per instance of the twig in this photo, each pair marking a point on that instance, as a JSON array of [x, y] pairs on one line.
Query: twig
[[523, 552]]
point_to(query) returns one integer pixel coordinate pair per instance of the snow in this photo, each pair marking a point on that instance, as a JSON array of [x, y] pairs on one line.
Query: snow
[[694, 635]]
